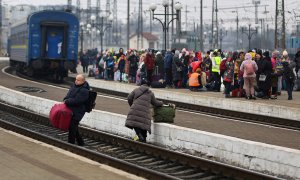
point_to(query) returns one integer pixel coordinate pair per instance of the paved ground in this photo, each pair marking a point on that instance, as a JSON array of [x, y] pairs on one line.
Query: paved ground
[[25, 158], [248, 131]]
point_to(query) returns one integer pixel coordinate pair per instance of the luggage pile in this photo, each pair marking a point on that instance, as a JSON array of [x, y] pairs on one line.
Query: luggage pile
[[165, 113]]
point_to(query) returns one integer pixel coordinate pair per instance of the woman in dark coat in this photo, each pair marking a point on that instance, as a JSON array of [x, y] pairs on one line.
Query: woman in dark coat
[[139, 116], [264, 68], [133, 66], [176, 73], [159, 62]]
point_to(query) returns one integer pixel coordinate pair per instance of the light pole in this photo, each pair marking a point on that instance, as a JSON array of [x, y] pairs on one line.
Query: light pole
[[165, 24], [81, 37], [250, 33], [222, 35], [102, 27]]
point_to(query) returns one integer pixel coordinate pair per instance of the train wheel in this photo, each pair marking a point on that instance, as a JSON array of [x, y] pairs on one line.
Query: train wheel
[[30, 72], [58, 78]]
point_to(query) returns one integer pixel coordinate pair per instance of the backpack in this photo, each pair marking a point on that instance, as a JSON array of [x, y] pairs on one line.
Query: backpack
[[91, 102], [249, 68]]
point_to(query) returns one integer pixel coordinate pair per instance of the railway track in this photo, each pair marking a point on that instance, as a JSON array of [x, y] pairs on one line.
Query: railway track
[[222, 113], [144, 160]]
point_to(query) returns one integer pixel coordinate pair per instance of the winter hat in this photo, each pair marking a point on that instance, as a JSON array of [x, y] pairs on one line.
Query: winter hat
[[284, 53], [248, 56], [266, 54], [177, 52], [158, 52]]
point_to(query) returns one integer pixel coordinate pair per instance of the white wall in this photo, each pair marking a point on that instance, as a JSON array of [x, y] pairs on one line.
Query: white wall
[[248, 154]]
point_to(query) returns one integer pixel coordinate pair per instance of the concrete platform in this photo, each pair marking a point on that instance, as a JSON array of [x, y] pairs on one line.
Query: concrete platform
[[25, 158], [281, 107], [257, 156]]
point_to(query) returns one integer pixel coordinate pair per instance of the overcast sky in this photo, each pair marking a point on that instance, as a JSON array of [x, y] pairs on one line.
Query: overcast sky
[[191, 9]]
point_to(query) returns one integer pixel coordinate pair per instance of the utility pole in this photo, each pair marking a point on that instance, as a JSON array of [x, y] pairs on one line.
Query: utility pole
[[214, 25], [108, 12], [78, 14], [0, 27], [256, 3], [89, 10], [237, 29], [69, 6], [172, 25], [128, 23], [140, 26], [98, 11], [279, 25], [115, 22], [201, 26]]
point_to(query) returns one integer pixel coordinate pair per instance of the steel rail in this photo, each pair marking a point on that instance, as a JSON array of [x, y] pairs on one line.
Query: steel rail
[[183, 162]]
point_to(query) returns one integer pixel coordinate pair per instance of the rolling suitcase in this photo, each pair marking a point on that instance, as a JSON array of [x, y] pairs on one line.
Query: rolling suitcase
[[165, 113], [297, 85], [60, 116]]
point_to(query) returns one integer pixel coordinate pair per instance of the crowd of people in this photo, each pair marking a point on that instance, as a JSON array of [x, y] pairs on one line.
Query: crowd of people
[[252, 74]]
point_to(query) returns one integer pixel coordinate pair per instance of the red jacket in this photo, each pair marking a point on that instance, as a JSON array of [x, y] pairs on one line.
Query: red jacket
[[149, 61]]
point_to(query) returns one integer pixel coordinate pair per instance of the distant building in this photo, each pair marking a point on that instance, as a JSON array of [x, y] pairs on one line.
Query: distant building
[[149, 41]]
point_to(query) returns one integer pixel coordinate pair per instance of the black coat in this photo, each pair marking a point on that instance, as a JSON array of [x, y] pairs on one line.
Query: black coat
[[264, 67], [76, 98]]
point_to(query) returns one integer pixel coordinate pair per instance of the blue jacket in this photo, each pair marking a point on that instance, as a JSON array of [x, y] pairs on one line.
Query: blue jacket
[[168, 60], [76, 98]]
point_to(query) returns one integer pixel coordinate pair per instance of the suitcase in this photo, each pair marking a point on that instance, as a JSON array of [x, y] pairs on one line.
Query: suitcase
[[297, 85], [60, 116], [156, 84], [165, 113]]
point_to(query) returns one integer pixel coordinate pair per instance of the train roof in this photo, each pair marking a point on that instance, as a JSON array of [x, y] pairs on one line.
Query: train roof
[[41, 13]]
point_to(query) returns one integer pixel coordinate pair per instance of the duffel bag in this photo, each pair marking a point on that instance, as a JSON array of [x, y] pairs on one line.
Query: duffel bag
[[60, 116], [297, 85], [165, 113], [157, 84]]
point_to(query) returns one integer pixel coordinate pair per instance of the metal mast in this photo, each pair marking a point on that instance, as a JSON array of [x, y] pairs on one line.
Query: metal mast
[[140, 26], [69, 6], [256, 3], [115, 22], [89, 10], [128, 23], [0, 26], [201, 26], [214, 25], [78, 9], [279, 25], [108, 12]]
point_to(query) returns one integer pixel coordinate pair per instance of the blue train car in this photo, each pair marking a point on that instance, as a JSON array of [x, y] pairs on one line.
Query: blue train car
[[45, 43], [293, 45]]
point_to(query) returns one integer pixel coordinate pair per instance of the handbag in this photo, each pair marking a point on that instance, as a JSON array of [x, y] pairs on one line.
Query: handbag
[[262, 77], [178, 68]]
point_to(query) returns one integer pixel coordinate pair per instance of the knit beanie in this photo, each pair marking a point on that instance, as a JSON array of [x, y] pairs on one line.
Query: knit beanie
[[248, 56]]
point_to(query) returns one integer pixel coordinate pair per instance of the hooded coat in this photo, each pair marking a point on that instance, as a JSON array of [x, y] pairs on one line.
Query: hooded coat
[[264, 67], [76, 98], [140, 101]]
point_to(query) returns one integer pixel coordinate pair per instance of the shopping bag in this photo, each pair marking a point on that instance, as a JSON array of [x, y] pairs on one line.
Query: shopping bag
[[165, 113]]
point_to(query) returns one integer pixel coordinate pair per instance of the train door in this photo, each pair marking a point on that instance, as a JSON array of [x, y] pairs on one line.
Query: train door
[[54, 43]]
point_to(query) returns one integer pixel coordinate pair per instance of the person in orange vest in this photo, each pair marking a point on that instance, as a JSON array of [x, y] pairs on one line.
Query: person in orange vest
[[195, 80]]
